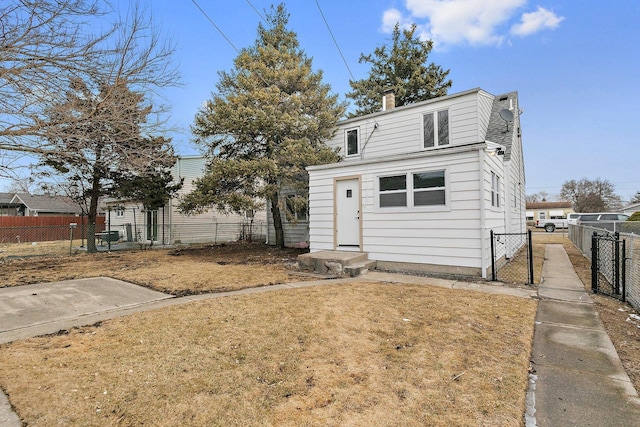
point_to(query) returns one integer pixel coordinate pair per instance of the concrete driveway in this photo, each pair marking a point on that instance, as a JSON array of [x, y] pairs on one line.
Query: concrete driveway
[[45, 308]]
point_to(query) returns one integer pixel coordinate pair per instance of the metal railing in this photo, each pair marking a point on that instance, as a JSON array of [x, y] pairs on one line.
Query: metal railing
[[512, 257], [629, 274]]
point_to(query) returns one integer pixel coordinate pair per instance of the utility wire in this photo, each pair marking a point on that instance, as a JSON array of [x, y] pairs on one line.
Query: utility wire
[[334, 40], [256, 11], [216, 27]]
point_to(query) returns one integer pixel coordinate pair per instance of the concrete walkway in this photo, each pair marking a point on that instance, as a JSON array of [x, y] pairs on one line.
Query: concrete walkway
[[577, 379]]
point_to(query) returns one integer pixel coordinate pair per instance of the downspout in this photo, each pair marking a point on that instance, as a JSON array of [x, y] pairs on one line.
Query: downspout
[[483, 242]]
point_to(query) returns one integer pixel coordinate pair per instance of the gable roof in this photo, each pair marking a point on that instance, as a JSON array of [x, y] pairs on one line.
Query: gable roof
[[499, 131], [46, 203], [5, 198]]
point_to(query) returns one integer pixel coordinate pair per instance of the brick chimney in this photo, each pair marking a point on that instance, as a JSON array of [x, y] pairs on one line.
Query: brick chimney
[[388, 100]]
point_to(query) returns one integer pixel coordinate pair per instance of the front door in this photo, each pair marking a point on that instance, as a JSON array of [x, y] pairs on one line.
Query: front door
[[348, 213]]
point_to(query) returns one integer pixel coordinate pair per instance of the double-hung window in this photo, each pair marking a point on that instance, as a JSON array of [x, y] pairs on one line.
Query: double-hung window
[[428, 189], [435, 129], [352, 141], [495, 190], [393, 191], [413, 190], [120, 212]]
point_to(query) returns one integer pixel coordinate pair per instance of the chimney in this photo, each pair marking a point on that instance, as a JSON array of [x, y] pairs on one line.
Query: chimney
[[388, 100]]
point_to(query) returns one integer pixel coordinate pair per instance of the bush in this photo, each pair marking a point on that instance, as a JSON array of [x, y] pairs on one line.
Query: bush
[[634, 217]]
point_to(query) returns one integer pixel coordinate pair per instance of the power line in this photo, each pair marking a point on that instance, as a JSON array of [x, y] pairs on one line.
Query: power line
[[215, 26], [256, 11], [334, 40]]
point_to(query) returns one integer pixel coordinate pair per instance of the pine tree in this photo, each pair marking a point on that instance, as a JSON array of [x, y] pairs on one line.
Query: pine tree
[[401, 68], [264, 125]]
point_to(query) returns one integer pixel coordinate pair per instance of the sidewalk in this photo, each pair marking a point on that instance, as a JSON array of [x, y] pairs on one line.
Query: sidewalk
[[577, 378]]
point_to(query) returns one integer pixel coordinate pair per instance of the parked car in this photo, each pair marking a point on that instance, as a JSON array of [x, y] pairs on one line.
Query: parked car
[[573, 218], [550, 225], [606, 220]]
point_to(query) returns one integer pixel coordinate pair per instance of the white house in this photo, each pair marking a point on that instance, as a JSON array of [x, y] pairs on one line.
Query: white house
[[168, 226], [421, 186]]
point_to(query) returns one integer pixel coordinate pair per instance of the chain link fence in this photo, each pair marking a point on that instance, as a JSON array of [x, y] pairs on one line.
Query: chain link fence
[[581, 236], [512, 257], [53, 240]]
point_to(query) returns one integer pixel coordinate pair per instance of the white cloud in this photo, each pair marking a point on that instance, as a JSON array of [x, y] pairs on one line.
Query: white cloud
[[536, 21], [474, 22]]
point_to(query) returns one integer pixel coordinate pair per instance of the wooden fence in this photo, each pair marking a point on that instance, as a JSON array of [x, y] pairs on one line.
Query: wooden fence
[[20, 229]]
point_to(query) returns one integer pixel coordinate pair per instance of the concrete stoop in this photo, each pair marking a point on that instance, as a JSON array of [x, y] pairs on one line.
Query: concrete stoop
[[337, 263]]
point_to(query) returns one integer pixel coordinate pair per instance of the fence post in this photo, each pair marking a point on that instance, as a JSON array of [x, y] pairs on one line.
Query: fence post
[[493, 258], [616, 262], [624, 270], [530, 260], [594, 262]]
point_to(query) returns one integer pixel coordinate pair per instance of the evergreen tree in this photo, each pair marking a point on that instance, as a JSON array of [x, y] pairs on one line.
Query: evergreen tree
[[264, 125], [401, 68]]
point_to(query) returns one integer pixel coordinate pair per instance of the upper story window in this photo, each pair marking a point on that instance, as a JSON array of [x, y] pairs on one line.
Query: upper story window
[[435, 129], [120, 212], [352, 142]]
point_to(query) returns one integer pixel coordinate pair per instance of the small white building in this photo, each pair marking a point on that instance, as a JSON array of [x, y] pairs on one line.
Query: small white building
[[168, 225], [421, 186]]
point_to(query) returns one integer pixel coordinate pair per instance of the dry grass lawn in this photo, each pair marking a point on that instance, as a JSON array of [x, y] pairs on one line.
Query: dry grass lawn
[[183, 271], [358, 354]]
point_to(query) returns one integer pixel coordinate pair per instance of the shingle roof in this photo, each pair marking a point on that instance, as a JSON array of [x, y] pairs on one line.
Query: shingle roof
[[499, 131], [5, 198], [46, 203]]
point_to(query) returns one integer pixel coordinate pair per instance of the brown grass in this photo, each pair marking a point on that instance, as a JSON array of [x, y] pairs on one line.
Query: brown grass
[[189, 270], [358, 354]]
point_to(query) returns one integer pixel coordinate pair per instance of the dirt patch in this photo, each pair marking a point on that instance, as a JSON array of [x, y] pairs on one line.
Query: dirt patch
[[179, 271]]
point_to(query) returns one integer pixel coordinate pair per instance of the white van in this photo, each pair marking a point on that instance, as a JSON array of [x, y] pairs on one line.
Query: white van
[[573, 218]]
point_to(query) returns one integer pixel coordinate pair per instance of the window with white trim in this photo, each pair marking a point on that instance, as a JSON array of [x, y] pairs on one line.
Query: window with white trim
[[435, 129], [428, 189], [393, 191], [352, 141], [120, 212], [414, 189], [495, 190]]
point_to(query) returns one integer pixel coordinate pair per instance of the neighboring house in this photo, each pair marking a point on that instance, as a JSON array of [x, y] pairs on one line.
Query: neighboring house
[[168, 226], [23, 204], [421, 186], [631, 209], [548, 210]]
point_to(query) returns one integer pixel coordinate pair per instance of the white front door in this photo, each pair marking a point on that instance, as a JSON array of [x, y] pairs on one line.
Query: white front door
[[348, 213]]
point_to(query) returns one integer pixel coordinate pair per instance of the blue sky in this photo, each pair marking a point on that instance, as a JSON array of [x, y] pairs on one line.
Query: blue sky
[[575, 64]]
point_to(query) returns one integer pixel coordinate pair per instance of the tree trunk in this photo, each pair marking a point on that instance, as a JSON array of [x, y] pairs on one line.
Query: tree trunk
[[92, 215], [277, 220]]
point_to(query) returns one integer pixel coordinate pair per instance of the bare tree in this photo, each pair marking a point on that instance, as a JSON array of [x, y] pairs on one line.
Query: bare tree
[[596, 195], [46, 46]]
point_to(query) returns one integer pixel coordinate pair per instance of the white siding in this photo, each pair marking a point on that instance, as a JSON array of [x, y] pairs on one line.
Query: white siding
[[448, 237], [485, 102], [399, 131]]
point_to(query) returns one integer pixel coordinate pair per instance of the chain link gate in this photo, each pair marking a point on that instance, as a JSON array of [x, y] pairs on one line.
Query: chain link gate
[[512, 257], [608, 273]]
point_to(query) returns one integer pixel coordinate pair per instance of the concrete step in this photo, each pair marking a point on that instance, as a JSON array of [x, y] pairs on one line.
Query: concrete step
[[334, 262], [359, 269]]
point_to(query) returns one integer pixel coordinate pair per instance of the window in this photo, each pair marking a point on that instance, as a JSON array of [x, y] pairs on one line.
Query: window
[[428, 188], [435, 128], [120, 212], [297, 207], [351, 140], [415, 189], [495, 190], [393, 191]]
